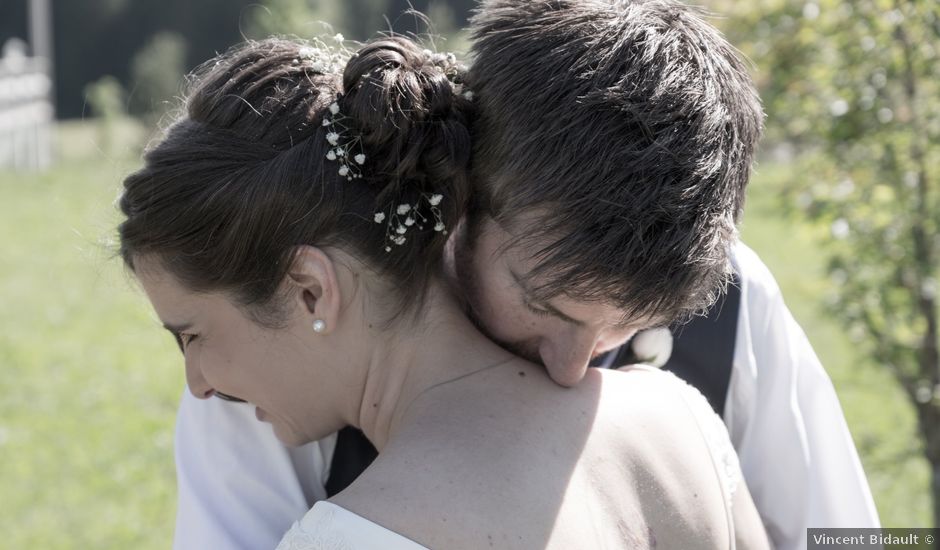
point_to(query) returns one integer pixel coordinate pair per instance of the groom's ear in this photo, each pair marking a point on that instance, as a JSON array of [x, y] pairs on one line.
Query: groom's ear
[[314, 287]]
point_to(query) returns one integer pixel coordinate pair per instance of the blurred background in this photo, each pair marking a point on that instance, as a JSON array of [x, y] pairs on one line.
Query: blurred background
[[843, 207]]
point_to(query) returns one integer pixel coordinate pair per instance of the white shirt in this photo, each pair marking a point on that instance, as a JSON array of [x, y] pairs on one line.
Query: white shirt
[[240, 488], [785, 421]]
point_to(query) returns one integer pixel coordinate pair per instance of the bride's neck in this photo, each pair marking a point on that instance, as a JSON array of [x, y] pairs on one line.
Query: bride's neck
[[414, 357]]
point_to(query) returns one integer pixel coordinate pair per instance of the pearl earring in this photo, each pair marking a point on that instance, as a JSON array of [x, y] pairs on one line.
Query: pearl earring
[[319, 326]]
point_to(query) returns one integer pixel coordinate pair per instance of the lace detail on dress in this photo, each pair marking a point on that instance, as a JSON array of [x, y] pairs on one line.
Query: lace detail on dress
[[716, 437], [330, 527], [713, 431], [316, 534]]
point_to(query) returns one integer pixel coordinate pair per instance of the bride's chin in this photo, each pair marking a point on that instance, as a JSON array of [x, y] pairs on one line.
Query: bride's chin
[[292, 437], [288, 437]]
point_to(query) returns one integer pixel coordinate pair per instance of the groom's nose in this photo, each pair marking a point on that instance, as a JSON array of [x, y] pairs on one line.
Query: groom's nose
[[566, 356]]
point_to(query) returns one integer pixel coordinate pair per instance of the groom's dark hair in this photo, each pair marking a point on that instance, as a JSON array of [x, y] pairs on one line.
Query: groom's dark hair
[[627, 129]]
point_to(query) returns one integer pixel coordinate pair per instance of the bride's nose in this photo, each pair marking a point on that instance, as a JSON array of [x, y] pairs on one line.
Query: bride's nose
[[197, 383]]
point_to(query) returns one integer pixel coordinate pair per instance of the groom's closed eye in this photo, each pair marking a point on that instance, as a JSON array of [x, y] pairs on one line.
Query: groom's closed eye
[[541, 309], [535, 309]]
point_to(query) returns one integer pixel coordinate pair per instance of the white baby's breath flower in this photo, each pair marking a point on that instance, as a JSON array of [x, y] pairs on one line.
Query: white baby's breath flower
[[403, 209], [398, 240], [344, 170], [401, 230], [468, 95], [320, 67], [653, 346], [360, 158], [327, 122], [379, 217], [435, 200], [333, 138], [340, 152], [439, 226], [307, 53], [339, 37], [334, 108], [409, 221], [331, 155], [388, 249]]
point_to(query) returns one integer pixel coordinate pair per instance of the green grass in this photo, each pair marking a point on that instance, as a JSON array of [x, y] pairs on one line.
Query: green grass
[[881, 420], [89, 386], [90, 383]]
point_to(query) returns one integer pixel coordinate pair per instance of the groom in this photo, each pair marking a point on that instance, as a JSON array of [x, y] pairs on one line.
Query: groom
[[613, 146]]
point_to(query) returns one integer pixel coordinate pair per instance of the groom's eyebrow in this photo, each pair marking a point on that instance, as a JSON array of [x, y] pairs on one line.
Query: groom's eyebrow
[[547, 306]]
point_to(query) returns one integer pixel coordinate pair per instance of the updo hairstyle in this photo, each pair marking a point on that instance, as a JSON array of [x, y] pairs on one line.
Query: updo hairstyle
[[243, 177]]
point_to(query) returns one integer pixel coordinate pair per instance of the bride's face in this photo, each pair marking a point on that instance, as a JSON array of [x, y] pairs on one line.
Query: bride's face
[[281, 372]]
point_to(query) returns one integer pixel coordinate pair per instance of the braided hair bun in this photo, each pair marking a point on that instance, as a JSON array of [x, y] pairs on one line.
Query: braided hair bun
[[408, 105]]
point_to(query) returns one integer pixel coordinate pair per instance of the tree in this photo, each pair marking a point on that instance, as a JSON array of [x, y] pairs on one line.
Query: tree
[[855, 85], [105, 97], [157, 72], [302, 18]]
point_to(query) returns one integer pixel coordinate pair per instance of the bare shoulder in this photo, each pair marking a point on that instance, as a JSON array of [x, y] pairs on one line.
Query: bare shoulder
[[501, 461], [656, 425]]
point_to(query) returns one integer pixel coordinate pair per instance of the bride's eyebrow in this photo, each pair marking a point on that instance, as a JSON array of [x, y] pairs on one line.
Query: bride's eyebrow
[[176, 329]]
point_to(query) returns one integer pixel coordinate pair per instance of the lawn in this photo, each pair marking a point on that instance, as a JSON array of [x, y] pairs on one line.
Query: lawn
[[90, 385]]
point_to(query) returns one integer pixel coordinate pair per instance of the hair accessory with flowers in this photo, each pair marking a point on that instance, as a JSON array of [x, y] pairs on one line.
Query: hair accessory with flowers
[[322, 57], [345, 146], [403, 217], [453, 70]]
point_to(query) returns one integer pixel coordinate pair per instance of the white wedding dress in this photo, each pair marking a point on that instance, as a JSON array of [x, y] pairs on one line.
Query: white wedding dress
[[330, 527]]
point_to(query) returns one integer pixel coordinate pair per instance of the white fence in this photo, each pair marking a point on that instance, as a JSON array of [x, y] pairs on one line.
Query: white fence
[[26, 110]]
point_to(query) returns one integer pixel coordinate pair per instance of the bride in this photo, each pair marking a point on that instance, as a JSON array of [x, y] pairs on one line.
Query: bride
[[289, 231]]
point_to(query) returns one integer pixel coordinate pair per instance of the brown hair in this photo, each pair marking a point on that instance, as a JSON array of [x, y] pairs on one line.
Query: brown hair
[[242, 177], [626, 131]]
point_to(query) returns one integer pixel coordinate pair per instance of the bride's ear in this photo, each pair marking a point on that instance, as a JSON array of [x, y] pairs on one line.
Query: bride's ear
[[315, 288]]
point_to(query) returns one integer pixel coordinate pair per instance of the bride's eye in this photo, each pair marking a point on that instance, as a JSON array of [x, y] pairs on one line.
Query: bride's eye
[[183, 340]]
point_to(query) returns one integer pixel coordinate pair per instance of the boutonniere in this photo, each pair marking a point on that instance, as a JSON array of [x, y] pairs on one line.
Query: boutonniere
[[652, 346]]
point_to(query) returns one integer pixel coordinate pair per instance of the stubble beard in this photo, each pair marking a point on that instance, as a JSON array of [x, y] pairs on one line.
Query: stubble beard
[[467, 289]]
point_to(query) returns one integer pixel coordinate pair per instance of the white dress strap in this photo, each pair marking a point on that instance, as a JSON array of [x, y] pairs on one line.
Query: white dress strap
[[330, 527]]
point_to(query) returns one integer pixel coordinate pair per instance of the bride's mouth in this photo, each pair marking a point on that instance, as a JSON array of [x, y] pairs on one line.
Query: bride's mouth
[[228, 397]]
